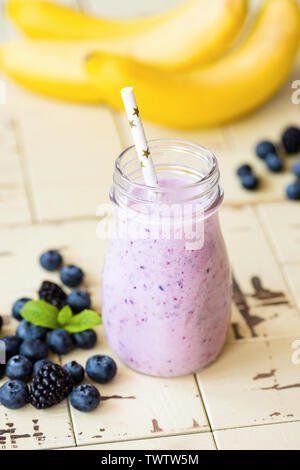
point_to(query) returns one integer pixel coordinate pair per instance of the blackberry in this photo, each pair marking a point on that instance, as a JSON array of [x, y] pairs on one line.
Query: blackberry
[[52, 293], [39, 364], [50, 386], [1, 322], [291, 140]]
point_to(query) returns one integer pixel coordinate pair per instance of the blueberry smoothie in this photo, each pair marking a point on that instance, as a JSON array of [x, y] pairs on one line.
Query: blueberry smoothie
[[166, 308]]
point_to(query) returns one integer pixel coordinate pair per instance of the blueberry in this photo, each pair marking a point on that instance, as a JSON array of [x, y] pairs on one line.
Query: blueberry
[[51, 260], [17, 307], [293, 191], [296, 169], [263, 148], [243, 170], [27, 331], [19, 367], [291, 140], [40, 364], [71, 275], [60, 341], [12, 345], [250, 181], [85, 339], [75, 370], [34, 349], [274, 163], [14, 394], [85, 398], [78, 300], [100, 368]]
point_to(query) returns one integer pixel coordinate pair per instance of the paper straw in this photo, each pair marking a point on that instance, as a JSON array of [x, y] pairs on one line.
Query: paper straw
[[139, 138]]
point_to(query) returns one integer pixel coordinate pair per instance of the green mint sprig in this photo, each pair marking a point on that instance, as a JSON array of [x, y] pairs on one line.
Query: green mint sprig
[[44, 314]]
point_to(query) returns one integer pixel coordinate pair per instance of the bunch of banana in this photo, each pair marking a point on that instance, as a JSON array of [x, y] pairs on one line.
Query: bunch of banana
[[175, 61]]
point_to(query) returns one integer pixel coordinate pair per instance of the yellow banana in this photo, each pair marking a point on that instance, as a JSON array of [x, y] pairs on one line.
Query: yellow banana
[[52, 69], [196, 32], [47, 20], [219, 92]]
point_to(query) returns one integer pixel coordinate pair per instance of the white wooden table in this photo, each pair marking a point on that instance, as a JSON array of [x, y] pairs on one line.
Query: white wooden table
[[56, 164]]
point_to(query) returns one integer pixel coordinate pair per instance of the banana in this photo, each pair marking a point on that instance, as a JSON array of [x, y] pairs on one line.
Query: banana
[[217, 93], [196, 32], [52, 69], [47, 20]]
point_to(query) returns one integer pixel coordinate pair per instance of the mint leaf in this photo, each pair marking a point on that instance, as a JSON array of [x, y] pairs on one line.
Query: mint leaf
[[64, 315], [41, 313], [85, 320]]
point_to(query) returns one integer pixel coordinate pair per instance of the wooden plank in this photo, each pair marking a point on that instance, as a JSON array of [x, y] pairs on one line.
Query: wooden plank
[[252, 383], [148, 405], [282, 223], [14, 207], [272, 437], [262, 304], [22, 246], [292, 273], [70, 157], [198, 441], [20, 249]]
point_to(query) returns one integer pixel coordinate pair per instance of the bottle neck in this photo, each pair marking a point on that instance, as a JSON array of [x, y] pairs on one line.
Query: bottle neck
[[188, 174]]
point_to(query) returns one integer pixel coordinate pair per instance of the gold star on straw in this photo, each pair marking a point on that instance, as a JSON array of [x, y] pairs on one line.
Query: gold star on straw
[[136, 112], [142, 165], [131, 123], [146, 153]]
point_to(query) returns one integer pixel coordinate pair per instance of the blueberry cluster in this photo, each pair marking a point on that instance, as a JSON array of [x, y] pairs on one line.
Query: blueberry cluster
[[27, 350], [248, 179], [269, 153]]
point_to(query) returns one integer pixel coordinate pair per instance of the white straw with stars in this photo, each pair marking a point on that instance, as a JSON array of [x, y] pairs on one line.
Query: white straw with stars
[[139, 138]]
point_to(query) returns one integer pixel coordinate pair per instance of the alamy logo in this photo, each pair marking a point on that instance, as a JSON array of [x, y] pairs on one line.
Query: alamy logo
[[2, 353], [296, 354], [296, 93], [2, 92]]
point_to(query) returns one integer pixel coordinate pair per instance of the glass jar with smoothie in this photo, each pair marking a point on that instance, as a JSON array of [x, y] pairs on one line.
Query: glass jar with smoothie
[[166, 284]]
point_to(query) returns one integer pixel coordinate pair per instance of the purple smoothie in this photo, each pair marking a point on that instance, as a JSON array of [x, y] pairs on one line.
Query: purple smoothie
[[166, 309]]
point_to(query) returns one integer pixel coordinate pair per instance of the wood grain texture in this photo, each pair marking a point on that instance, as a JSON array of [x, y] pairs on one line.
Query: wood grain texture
[[262, 306], [252, 383], [272, 437], [14, 206], [136, 405], [282, 224], [197, 441]]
